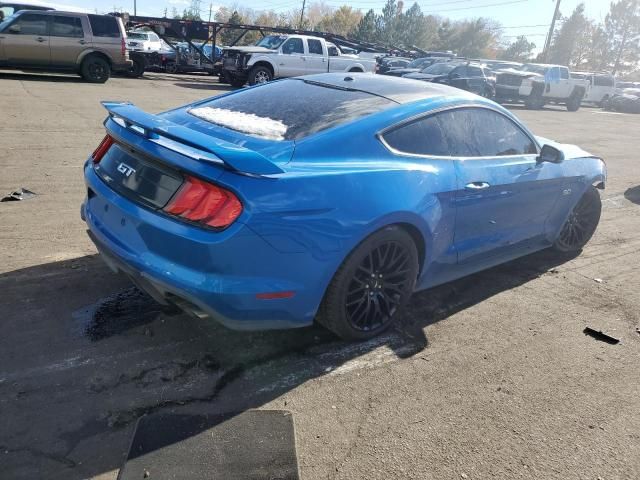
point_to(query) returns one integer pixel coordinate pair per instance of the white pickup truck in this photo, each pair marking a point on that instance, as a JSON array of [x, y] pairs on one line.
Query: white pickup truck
[[278, 56], [537, 84]]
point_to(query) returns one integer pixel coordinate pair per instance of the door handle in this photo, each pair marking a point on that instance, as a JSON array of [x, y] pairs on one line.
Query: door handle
[[40, 39], [476, 186], [81, 42]]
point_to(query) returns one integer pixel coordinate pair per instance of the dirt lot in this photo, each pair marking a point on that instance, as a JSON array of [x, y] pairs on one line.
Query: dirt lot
[[507, 386]]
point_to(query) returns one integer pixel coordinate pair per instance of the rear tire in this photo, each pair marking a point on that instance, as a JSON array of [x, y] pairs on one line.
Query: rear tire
[[371, 286], [573, 102], [581, 223], [171, 67], [137, 69], [95, 69]]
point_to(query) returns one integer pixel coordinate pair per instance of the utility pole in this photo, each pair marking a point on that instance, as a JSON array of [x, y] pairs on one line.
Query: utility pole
[[210, 9], [547, 43], [302, 12], [135, 9]]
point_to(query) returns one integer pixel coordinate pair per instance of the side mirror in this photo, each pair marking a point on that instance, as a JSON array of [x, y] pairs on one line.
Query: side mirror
[[550, 154], [15, 29], [454, 75]]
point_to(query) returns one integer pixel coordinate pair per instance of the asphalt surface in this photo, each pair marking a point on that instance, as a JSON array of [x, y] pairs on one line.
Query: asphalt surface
[[494, 380]]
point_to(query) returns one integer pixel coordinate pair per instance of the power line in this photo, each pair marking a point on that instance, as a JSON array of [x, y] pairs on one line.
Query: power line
[[479, 6]]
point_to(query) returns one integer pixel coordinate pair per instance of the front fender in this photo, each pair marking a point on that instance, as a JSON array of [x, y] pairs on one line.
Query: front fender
[[264, 59]]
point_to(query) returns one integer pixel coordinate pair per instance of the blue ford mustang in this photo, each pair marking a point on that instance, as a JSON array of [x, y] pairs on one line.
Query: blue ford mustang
[[328, 198]]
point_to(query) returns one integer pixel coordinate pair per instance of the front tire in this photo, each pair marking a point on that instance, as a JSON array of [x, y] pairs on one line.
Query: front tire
[[581, 223], [371, 286], [260, 74], [95, 69]]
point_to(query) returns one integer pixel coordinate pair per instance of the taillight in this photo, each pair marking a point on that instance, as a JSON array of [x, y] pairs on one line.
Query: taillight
[[103, 148], [123, 47], [205, 203]]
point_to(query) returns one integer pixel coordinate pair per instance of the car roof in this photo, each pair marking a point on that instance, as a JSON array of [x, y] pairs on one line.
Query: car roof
[[400, 90]]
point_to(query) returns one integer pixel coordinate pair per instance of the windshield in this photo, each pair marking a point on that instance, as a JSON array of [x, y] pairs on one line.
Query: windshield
[[439, 68], [137, 35], [271, 42], [530, 67], [6, 22]]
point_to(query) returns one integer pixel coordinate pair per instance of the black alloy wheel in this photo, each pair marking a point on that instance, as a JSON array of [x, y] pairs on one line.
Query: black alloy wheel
[[372, 285], [376, 288], [95, 69], [581, 223]]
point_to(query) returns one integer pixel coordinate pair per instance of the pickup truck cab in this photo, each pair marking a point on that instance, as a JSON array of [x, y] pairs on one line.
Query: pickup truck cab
[[537, 84], [280, 56]]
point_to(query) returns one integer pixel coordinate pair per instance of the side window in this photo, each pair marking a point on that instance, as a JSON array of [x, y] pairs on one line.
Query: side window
[[603, 81], [153, 37], [485, 133], [66, 27], [421, 137], [459, 72], [474, 72], [315, 47], [564, 73], [293, 45], [30, 24], [104, 26], [333, 51]]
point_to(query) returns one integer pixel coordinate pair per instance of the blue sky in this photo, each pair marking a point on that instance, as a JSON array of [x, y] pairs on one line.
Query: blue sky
[[528, 17]]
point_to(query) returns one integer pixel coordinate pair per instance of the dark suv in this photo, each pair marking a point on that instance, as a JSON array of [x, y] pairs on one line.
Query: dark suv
[[90, 45], [473, 77]]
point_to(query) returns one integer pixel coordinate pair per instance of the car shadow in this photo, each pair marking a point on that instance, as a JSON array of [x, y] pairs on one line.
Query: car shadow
[[39, 77], [84, 355], [204, 86], [633, 194]]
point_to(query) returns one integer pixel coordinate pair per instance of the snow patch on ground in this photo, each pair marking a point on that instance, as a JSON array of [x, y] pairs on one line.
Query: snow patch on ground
[[249, 123]]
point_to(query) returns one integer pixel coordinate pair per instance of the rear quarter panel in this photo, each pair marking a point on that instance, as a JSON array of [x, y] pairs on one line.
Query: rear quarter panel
[[343, 185]]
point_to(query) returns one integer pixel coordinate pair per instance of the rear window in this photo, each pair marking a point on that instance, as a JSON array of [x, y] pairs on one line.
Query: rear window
[[104, 26], [289, 109]]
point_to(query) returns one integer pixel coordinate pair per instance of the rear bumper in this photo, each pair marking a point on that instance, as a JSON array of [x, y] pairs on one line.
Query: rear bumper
[[209, 274]]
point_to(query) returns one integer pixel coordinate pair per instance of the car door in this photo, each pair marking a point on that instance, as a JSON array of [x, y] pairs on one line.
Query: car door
[[315, 58], [67, 41], [475, 80], [504, 196], [565, 84], [25, 42], [291, 61], [457, 77]]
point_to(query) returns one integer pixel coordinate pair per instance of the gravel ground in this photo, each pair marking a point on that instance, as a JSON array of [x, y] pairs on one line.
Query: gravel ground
[[505, 386]]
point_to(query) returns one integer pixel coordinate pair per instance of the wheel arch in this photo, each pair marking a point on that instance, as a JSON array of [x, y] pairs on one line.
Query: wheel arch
[[266, 64], [95, 53]]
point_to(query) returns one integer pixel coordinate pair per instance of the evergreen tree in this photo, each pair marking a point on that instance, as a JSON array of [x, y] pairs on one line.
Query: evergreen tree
[[519, 51], [366, 29], [622, 26]]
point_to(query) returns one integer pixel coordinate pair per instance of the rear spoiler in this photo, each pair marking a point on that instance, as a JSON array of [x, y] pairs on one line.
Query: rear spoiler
[[188, 142]]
